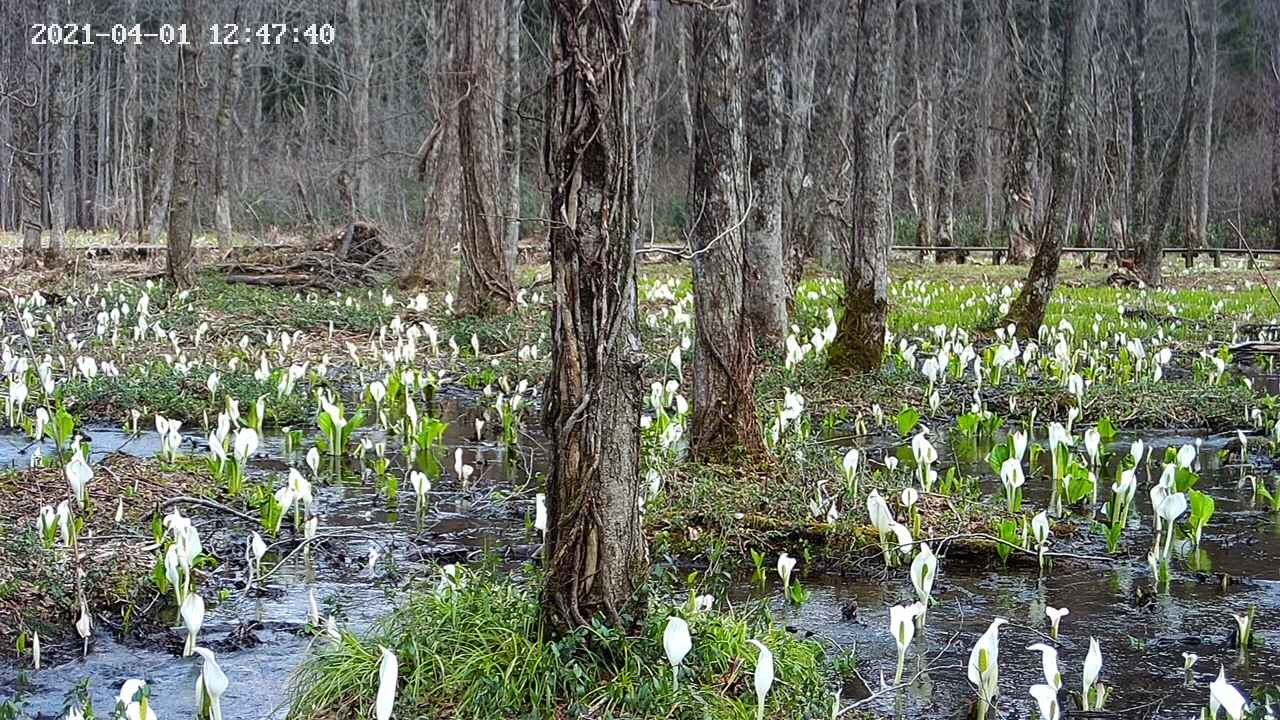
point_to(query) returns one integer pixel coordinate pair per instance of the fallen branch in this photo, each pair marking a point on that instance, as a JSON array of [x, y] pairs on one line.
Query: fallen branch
[[188, 500]]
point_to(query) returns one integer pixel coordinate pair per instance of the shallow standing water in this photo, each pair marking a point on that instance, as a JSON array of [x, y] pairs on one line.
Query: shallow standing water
[[1142, 640]]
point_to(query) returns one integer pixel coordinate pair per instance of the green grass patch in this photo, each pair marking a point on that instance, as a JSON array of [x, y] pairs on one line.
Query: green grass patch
[[157, 388], [480, 651]]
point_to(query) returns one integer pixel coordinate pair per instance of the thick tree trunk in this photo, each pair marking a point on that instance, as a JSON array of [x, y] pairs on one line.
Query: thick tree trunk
[[1206, 134], [724, 412], [798, 227], [182, 199], [595, 554], [859, 341], [437, 165], [511, 135], [27, 166], [230, 91], [485, 285], [766, 281], [1150, 253], [1020, 116], [162, 169], [1028, 308]]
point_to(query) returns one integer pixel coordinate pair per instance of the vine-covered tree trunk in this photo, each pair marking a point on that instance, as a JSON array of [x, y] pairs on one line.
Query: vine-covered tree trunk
[[595, 554], [724, 411], [485, 286], [1151, 250], [859, 341], [182, 197], [231, 73], [766, 282], [1028, 308]]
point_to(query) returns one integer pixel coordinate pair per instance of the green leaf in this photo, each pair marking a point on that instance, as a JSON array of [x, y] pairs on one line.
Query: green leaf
[[907, 420]]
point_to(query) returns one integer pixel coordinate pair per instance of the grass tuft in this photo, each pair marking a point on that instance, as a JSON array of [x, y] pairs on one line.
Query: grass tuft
[[480, 651]]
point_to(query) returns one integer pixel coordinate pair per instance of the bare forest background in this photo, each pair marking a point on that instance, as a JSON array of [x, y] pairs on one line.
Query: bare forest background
[[1174, 121]]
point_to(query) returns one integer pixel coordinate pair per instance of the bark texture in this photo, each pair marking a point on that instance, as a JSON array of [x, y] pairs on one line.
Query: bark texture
[[766, 288], [595, 551], [485, 286], [1151, 250], [1028, 308], [56, 132], [182, 198], [231, 74], [1138, 165], [1020, 117], [1206, 134], [859, 341], [437, 165], [724, 411], [512, 136]]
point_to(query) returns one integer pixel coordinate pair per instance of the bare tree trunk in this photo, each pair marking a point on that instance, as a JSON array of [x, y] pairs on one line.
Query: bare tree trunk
[[798, 222], [1137, 118], [1028, 308], [1275, 142], [361, 192], [1150, 253], [988, 16], [859, 341], [595, 553], [56, 130], [424, 266], [182, 200], [924, 46], [512, 135], [948, 51], [230, 91], [649, 90], [162, 169], [28, 174], [27, 98], [128, 185], [1206, 136], [766, 282], [485, 285], [437, 164], [724, 411], [1020, 116]]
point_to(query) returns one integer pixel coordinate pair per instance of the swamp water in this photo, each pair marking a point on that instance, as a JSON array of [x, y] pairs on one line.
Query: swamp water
[[1142, 636]]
